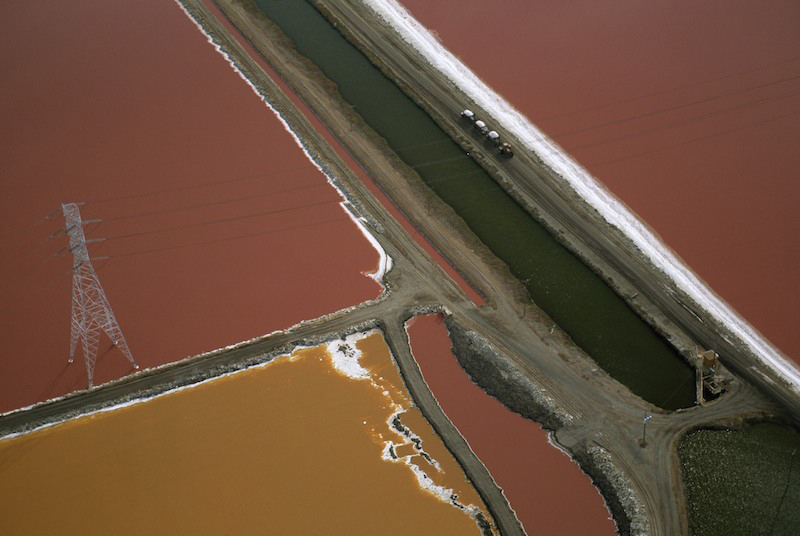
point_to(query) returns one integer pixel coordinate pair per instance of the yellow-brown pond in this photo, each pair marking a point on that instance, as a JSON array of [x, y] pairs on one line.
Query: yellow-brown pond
[[325, 441]]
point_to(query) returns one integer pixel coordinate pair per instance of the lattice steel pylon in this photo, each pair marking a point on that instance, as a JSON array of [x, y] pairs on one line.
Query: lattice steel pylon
[[91, 312]]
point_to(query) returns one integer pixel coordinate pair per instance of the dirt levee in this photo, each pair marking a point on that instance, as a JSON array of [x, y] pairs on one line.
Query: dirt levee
[[688, 112], [216, 227], [547, 491], [295, 447]]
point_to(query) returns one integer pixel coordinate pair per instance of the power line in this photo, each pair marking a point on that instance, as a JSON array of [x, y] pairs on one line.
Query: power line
[[224, 220], [683, 123], [439, 161], [700, 138], [456, 176], [229, 239], [677, 388], [43, 265], [105, 259], [12, 260], [20, 282], [676, 107], [58, 279], [216, 203], [654, 112], [193, 186], [427, 144], [669, 90]]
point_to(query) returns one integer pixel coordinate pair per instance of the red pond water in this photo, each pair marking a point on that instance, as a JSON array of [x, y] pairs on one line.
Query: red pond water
[[413, 232], [548, 492], [132, 111], [717, 178]]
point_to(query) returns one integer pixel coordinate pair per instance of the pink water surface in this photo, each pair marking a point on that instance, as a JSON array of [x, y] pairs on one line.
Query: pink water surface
[[548, 492], [354, 166], [712, 167], [125, 106]]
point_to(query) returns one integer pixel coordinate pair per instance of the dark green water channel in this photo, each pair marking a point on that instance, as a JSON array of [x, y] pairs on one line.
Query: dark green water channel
[[596, 318], [742, 481]]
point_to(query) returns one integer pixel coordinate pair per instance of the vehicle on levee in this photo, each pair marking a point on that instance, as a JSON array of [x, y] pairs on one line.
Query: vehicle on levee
[[491, 135]]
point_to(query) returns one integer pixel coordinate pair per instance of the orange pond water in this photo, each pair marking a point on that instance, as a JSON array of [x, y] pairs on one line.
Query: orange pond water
[[707, 156], [295, 447], [217, 227], [548, 492]]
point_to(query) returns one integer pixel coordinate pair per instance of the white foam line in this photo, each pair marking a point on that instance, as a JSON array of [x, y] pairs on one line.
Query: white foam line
[[345, 355], [423, 480], [464, 438], [583, 183], [139, 400], [385, 261], [409, 440], [294, 328]]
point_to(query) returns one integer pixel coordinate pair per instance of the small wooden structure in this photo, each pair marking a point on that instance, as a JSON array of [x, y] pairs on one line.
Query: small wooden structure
[[708, 375]]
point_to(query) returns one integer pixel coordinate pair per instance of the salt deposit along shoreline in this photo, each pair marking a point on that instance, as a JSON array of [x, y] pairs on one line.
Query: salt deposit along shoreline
[[604, 412], [384, 262], [351, 417], [621, 466], [612, 210], [225, 197], [426, 277], [766, 366]]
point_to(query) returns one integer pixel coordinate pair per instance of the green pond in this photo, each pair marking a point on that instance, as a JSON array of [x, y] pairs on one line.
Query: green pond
[[742, 481], [576, 298]]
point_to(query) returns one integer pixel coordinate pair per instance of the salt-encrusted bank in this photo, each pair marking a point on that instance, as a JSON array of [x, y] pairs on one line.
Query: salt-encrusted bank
[[349, 208], [614, 212]]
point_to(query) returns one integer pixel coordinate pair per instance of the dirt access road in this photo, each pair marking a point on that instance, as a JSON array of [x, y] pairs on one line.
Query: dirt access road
[[597, 414], [554, 202], [502, 292]]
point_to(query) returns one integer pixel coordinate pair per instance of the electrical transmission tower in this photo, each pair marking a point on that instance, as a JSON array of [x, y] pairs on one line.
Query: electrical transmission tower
[[91, 312]]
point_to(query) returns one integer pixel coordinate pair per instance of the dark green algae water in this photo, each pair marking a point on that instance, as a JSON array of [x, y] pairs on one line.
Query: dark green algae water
[[576, 298]]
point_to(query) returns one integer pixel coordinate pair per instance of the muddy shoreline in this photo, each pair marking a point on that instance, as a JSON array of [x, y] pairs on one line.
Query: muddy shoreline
[[566, 234], [426, 276], [388, 309], [193, 370], [605, 248], [657, 486], [502, 380]]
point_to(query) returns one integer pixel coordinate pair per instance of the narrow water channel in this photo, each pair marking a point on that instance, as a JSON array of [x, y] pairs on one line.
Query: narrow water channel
[[596, 318]]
